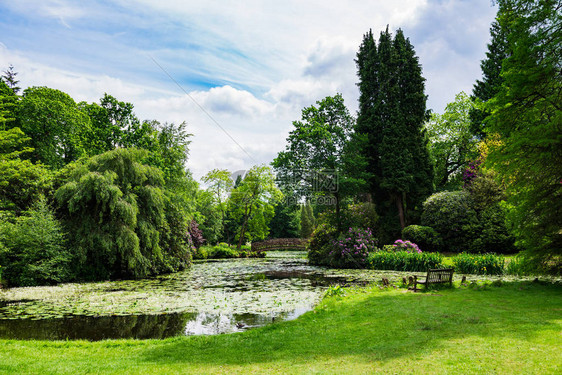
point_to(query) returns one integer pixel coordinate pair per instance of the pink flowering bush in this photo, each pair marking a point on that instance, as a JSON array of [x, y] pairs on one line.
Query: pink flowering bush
[[407, 246], [351, 248]]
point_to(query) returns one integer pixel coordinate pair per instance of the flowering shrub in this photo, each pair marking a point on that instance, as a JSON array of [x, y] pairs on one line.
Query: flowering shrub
[[196, 234], [404, 261], [481, 264], [351, 249], [406, 246], [471, 172], [426, 237]]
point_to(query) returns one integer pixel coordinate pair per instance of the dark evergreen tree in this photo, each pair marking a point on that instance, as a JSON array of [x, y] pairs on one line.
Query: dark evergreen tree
[[9, 77], [391, 115], [491, 66], [8, 101], [307, 220]]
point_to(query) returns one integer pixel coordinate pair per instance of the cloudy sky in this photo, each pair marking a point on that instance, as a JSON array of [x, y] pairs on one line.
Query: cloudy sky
[[248, 67]]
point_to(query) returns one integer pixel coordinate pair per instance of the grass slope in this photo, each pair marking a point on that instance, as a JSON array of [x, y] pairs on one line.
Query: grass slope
[[515, 328]]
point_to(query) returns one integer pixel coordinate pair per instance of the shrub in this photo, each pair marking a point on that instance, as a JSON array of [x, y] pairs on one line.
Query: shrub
[[450, 213], [404, 261], [196, 234], [351, 249], [32, 249], [492, 235], [426, 237], [481, 264], [220, 251], [407, 246], [321, 244], [202, 252]]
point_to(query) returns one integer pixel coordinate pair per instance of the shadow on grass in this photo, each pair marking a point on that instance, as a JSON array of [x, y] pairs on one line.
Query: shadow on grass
[[380, 325]]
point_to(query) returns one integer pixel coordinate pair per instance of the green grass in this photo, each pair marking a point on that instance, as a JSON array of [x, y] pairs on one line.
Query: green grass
[[515, 328]]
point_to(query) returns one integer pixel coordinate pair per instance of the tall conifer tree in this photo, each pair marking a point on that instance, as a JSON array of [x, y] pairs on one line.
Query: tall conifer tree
[[491, 66], [391, 115]]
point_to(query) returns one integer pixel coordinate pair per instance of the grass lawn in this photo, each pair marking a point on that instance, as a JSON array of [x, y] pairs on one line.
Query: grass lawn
[[514, 328]]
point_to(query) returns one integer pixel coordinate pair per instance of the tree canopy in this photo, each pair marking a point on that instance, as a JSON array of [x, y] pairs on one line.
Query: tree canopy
[[451, 142], [526, 113], [392, 110]]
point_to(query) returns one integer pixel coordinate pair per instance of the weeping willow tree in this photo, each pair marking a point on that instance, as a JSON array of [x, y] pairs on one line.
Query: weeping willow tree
[[115, 208]]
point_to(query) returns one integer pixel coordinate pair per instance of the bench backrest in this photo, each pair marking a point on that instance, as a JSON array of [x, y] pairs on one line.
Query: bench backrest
[[441, 275]]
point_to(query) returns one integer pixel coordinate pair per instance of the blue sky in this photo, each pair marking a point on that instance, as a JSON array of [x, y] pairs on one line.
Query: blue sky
[[252, 65]]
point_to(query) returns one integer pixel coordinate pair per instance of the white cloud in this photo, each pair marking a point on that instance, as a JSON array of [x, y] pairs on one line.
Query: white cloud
[[251, 65]]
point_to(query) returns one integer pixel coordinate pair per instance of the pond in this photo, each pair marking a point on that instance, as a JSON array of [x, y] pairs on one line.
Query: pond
[[212, 297]]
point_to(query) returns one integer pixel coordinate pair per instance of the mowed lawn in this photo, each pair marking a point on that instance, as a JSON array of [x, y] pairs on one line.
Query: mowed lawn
[[515, 328]]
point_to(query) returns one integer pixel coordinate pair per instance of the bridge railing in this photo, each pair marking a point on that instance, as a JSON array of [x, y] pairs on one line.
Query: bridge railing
[[280, 244]]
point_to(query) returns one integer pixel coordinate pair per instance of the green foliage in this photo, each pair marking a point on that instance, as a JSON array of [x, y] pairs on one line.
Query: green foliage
[[21, 182], [526, 114], [221, 251], [169, 149], [321, 244], [404, 261], [113, 208], [252, 204], [32, 248], [316, 155], [452, 215], [209, 217], [55, 124], [201, 253], [335, 291], [466, 224], [307, 221], [481, 264], [451, 142], [392, 109], [8, 101], [286, 222], [114, 125], [488, 87], [360, 215], [225, 251], [425, 237]]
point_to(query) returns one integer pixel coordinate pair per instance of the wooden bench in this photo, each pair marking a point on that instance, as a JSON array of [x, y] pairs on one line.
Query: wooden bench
[[435, 276]]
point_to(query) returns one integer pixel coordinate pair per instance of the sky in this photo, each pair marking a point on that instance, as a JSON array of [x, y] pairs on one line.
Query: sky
[[237, 72]]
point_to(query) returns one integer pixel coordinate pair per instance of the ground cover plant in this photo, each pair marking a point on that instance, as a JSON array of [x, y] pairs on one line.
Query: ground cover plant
[[509, 329], [404, 261], [481, 264]]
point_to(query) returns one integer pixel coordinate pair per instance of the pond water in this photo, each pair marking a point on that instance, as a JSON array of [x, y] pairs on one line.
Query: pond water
[[212, 297]]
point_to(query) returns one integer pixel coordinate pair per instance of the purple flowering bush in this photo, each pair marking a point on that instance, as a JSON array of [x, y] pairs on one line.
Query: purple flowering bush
[[407, 246], [351, 248]]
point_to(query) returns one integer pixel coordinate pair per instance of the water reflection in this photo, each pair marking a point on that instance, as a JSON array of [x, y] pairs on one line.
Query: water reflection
[[136, 326]]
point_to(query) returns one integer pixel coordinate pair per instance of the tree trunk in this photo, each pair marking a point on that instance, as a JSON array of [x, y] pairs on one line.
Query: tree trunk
[[338, 213], [400, 205], [243, 229]]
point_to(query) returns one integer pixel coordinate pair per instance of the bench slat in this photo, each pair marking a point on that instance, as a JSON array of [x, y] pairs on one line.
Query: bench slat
[[436, 276]]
